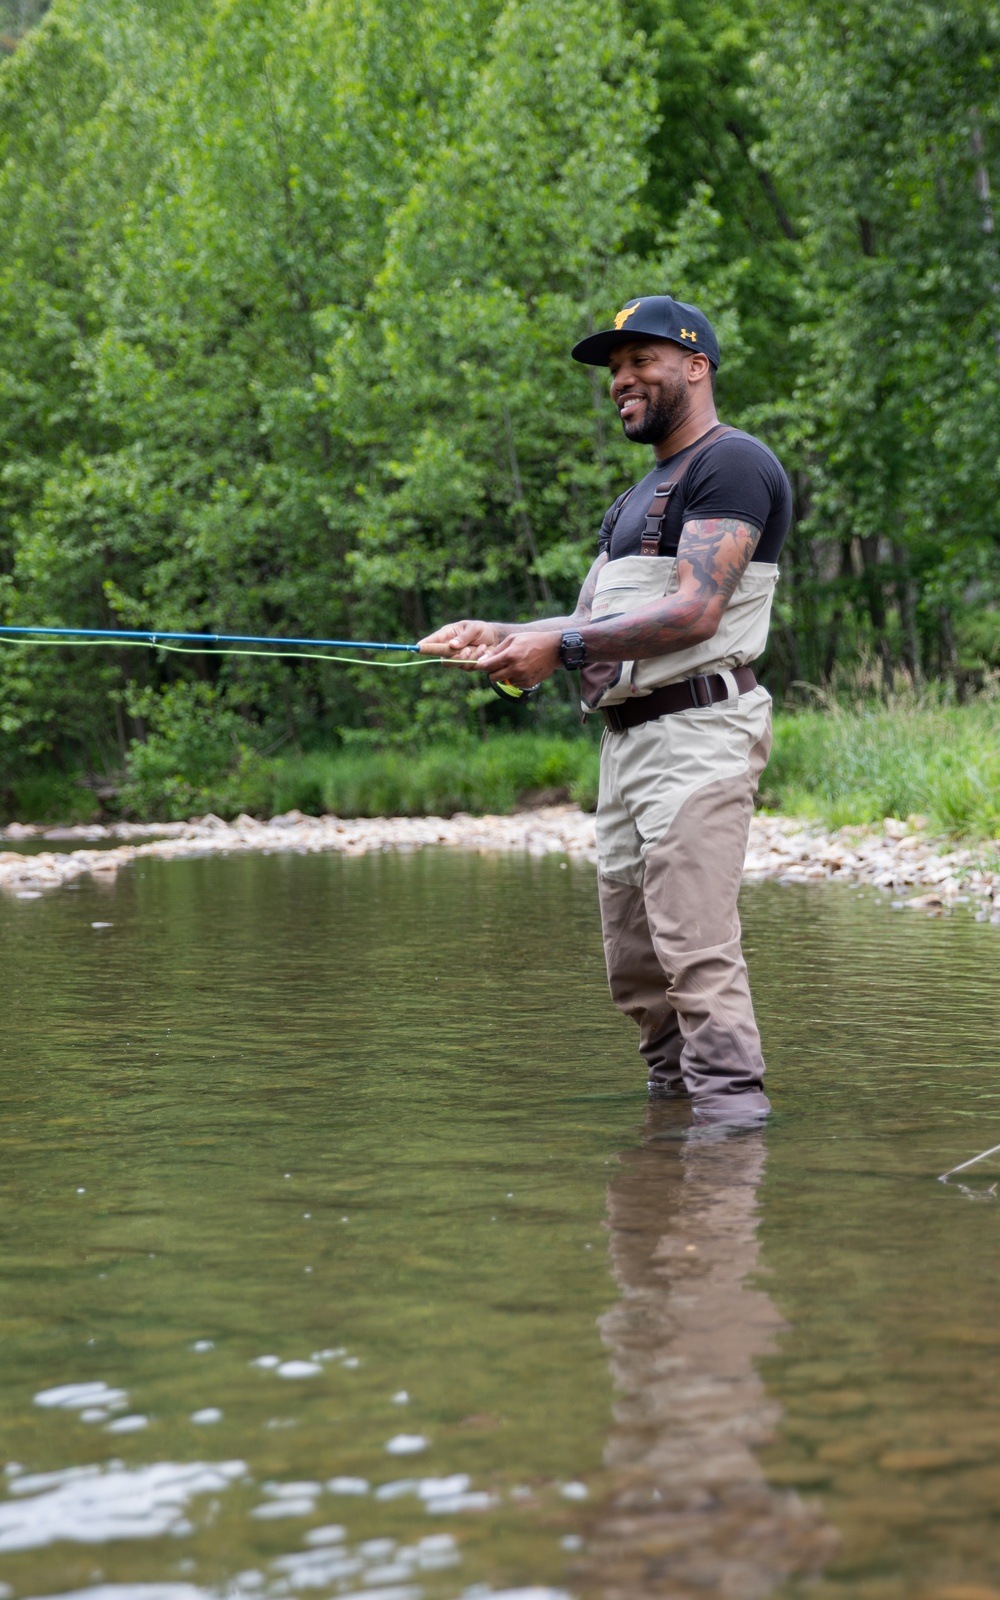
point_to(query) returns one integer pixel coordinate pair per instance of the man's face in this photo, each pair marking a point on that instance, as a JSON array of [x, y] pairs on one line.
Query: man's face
[[650, 387]]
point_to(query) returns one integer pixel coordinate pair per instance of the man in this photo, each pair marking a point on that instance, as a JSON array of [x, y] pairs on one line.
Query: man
[[673, 610]]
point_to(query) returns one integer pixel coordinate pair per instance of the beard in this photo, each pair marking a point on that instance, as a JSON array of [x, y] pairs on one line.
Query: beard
[[661, 416]]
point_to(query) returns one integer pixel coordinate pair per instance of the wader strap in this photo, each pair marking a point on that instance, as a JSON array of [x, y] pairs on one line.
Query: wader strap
[[617, 509], [652, 536]]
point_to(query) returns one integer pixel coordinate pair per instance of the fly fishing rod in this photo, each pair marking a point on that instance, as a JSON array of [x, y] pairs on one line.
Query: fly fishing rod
[[263, 645], [154, 636]]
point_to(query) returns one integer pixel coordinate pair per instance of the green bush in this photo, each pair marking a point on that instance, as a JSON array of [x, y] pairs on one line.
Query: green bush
[[838, 766], [194, 759], [861, 765], [491, 776], [48, 796]]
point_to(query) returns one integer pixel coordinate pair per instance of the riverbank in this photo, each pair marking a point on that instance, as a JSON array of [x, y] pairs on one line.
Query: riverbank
[[925, 872], [846, 765]]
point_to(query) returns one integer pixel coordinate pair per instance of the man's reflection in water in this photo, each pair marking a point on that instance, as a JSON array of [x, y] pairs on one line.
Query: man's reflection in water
[[692, 1514]]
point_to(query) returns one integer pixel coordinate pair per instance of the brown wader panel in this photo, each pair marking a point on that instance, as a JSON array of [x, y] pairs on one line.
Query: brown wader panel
[[672, 945]]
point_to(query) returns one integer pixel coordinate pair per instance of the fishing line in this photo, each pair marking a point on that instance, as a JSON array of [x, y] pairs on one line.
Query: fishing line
[[186, 650], [962, 1165], [303, 649], [154, 635]]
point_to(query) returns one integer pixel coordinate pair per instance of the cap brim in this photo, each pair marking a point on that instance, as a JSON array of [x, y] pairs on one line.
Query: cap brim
[[594, 350]]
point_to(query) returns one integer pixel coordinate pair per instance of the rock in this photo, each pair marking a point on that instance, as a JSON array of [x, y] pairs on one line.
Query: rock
[[780, 849]]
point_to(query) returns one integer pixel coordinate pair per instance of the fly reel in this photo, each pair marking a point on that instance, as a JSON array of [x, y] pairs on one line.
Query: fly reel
[[510, 691]]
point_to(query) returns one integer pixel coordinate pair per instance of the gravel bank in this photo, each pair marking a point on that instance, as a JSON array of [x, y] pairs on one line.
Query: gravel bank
[[928, 873]]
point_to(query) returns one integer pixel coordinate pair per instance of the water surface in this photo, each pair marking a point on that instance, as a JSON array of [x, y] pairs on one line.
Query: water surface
[[336, 1183]]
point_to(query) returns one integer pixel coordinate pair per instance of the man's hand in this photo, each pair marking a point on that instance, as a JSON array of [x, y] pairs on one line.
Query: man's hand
[[523, 659], [461, 641]]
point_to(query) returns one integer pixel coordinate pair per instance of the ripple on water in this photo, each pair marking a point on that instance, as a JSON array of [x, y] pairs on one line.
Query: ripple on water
[[90, 1505], [408, 1038], [82, 1397]]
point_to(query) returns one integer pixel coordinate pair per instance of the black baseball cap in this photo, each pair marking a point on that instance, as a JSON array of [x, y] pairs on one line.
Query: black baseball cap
[[655, 316]]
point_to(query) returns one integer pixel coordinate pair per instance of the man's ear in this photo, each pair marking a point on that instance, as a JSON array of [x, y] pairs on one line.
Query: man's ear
[[698, 365]]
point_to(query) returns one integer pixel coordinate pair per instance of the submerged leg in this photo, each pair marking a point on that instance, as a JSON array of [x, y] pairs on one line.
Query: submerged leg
[[690, 890], [637, 983]]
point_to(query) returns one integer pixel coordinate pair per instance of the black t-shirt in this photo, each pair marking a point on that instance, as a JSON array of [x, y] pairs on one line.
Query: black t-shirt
[[735, 476]]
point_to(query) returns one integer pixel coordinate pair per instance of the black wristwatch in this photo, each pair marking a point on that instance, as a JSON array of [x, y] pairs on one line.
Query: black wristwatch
[[572, 651]]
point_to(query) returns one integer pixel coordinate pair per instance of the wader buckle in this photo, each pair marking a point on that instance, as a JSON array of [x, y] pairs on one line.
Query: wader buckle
[[614, 719], [699, 685]]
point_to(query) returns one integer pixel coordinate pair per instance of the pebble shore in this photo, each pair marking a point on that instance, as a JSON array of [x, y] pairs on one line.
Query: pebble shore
[[926, 873]]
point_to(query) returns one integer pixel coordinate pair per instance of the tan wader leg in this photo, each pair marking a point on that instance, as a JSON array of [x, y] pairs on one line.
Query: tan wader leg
[[672, 939], [637, 984]]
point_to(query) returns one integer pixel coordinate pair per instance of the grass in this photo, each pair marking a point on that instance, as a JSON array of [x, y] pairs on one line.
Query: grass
[[835, 765], [908, 757], [493, 776]]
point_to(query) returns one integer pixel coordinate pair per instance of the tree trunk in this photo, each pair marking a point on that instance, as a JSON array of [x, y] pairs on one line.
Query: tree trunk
[[908, 613], [875, 596], [949, 654]]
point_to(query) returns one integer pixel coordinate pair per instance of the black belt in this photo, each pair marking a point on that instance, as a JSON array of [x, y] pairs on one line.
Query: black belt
[[689, 694]]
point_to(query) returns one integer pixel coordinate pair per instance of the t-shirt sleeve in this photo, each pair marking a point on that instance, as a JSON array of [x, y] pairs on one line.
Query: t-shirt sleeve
[[735, 479], [607, 528]]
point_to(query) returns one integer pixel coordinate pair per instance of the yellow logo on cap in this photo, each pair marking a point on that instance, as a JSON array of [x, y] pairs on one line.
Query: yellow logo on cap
[[623, 316], [692, 336]]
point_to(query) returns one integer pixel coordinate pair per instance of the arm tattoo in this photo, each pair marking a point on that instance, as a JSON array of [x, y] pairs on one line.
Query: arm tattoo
[[712, 556]]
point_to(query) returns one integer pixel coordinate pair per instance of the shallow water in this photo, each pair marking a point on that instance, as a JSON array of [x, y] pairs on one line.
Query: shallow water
[[340, 1253]]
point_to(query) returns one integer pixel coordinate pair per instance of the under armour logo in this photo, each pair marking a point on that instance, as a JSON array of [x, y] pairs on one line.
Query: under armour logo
[[692, 336], [623, 316]]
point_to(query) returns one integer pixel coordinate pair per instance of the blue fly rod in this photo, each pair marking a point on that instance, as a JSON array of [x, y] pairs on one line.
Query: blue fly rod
[[151, 637], [232, 645]]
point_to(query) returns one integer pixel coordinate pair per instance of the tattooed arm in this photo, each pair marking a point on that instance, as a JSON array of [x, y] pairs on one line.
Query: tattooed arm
[[466, 641], [712, 556], [711, 559]]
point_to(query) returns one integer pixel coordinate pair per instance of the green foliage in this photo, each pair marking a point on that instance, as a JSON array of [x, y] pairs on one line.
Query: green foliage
[[937, 761], [286, 300], [185, 767], [194, 757], [47, 796], [478, 777], [883, 125]]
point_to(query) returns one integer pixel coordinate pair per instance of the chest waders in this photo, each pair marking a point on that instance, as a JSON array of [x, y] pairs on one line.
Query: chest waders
[[688, 735]]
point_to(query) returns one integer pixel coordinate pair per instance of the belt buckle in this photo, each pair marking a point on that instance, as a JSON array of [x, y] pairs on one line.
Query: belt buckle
[[700, 678], [613, 717]]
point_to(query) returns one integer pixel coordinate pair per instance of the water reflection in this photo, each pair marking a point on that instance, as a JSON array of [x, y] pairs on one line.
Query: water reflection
[[692, 1512], [304, 1162]]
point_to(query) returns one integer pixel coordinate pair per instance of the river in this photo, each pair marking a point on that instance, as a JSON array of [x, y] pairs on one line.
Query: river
[[341, 1253]]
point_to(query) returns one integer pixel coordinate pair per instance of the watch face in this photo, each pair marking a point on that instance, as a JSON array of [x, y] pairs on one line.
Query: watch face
[[573, 650]]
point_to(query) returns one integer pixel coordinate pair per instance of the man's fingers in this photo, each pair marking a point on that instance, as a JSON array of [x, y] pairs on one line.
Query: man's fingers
[[440, 643], [459, 640]]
